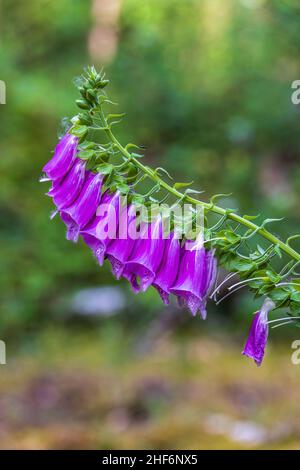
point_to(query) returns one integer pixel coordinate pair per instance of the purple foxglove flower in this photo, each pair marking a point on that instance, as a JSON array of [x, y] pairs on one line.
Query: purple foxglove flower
[[64, 155], [258, 334], [84, 208], [167, 272], [121, 248], [196, 276], [103, 227], [146, 256], [65, 191]]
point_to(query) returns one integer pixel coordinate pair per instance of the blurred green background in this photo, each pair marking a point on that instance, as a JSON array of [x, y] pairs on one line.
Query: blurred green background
[[206, 85]]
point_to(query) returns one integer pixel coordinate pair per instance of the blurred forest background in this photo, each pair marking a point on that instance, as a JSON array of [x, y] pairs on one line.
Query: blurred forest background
[[206, 85]]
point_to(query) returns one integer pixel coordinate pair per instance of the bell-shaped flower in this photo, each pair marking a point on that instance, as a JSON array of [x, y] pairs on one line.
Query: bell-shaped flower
[[102, 228], [146, 257], [65, 191], [121, 248], [63, 158], [196, 275], [167, 272], [78, 214], [258, 334]]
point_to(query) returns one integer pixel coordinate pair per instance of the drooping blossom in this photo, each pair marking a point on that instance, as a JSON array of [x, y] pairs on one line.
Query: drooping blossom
[[102, 228], [121, 248], [65, 191], [78, 214], [63, 158], [167, 272], [258, 334], [146, 256], [196, 275]]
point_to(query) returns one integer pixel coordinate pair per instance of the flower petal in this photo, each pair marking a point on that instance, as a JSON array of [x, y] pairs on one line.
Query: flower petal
[[258, 334], [147, 254], [168, 269], [65, 191], [196, 275], [64, 155], [84, 208], [121, 248], [102, 228]]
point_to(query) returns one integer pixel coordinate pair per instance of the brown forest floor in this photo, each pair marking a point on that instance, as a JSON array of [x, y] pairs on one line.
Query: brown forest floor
[[94, 390]]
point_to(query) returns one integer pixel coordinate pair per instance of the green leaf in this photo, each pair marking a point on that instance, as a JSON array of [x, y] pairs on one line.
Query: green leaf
[[295, 308], [115, 116], [138, 199], [192, 191], [277, 250], [264, 290], [160, 169], [86, 154], [279, 295], [82, 104], [251, 217], [295, 296], [181, 185], [105, 168], [123, 187], [87, 145], [295, 284], [79, 131], [274, 277], [293, 237], [240, 264], [218, 196], [232, 237]]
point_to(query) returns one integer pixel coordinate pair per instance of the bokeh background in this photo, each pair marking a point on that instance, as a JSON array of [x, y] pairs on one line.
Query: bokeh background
[[206, 85]]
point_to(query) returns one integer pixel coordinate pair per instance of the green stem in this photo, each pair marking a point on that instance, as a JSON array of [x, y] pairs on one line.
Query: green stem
[[207, 206]]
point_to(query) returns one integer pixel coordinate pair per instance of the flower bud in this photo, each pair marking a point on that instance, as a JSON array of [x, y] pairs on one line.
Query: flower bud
[[82, 104]]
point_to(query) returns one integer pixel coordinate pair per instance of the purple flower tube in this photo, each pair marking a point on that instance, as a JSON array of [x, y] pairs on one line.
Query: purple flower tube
[[102, 228], [84, 208], [63, 158], [167, 272], [121, 248], [65, 191], [258, 334], [196, 275], [146, 256]]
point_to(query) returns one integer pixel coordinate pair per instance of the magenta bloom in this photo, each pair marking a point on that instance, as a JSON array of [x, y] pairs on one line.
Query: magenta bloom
[[63, 158], [103, 227], [121, 248], [146, 256], [84, 208], [258, 334], [168, 269], [65, 191], [197, 274]]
